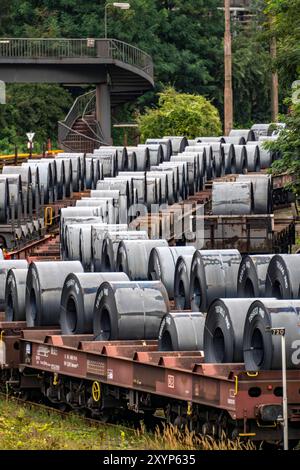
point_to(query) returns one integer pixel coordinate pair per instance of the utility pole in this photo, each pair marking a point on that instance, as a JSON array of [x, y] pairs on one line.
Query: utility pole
[[228, 100], [274, 82]]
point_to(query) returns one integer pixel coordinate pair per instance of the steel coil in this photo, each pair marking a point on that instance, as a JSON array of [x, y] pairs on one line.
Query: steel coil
[[136, 180], [162, 262], [85, 246], [142, 157], [248, 134], [98, 232], [181, 331], [191, 171], [210, 139], [261, 130], [223, 331], [253, 158], [241, 159], [164, 185], [133, 257], [172, 176], [232, 198], [236, 140], [15, 290], [68, 174], [166, 146], [266, 156], [213, 275], [44, 285], [263, 350], [153, 191], [5, 266], [218, 165], [181, 167], [229, 156], [182, 282], [283, 277], [179, 143], [78, 299], [132, 160], [108, 158], [75, 220], [156, 153], [111, 243], [129, 310], [252, 276], [262, 193]]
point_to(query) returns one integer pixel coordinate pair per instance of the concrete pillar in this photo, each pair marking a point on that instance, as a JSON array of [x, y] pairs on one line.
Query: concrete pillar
[[103, 110]]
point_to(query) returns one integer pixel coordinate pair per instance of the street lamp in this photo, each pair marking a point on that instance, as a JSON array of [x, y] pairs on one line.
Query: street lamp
[[121, 5]]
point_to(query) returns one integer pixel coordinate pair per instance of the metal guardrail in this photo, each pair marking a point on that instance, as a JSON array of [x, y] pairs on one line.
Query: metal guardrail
[[63, 48]]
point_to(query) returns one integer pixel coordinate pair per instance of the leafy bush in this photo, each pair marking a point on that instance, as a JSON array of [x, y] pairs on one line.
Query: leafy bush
[[180, 114]]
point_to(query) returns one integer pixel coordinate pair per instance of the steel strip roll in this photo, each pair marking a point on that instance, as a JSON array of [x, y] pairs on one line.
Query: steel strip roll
[[15, 291], [77, 168], [262, 192], [74, 212], [98, 232], [120, 202], [26, 178], [137, 180], [156, 153], [85, 246], [129, 310], [200, 147], [68, 174], [218, 159], [229, 155], [164, 186], [142, 157], [223, 331], [262, 350], [266, 156], [153, 191], [72, 242], [4, 201], [182, 176], [166, 146], [121, 157], [283, 277], [88, 173], [248, 134], [179, 143], [209, 139], [123, 187], [109, 160], [182, 282], [200, 161], [253, 158], [213, 275], [236, 140], [133, 257], [241, 159], [162, 262], [45, 179], [261, 129], [75, 220], [111, 243], [61, 178], [232, 198], [191, 171], [105, 204], [123, 184], [97, 171], [181, 331], [52, 163], [5, 266], [252, 275], [173, 181], [132, 160], [44, 285], [15, 194], [78, 299]]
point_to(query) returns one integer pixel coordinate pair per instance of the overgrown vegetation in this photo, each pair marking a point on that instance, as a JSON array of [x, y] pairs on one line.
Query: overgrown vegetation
[[180, 114], [24, 428]]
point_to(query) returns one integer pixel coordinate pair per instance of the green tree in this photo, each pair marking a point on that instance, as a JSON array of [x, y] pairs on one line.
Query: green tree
[[180, 114]]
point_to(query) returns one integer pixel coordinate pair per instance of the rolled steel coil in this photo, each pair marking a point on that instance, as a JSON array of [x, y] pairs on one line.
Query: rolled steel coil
[[75, 212], [263, 350], [121, 156], [224, 329], [283, 277], [210, 139], [241, 159], [14, 194], [142, 157], [98, 172], [72, 240], [213, 275], [191, 173], [153, 190], [218, 160], [236, 140], [179, 143], [266, 156], [132, 257], [232, 198], [132, 160], [108, 158], [156, 153], [199, 147], [5, 266], [52, 163], [181, 331], [253, 158], [45, 179], [173, 181], [98, 232], [89, 173], [68, 174], [164, 184], [123, 184], [85, 246], [106, 204], [26, 180], [261, 129], [15, 290], [129, 310], [166, 146], [200, 167], [111, 243], [182, 282], [248, 134], [262, 192], [123, 188], [83, 220], [162, 262], [61, 178], [44, 285], [137, 180], [77, 168], [229, 156], [182, 176], [78, 299], [120, 202], [252, 276]]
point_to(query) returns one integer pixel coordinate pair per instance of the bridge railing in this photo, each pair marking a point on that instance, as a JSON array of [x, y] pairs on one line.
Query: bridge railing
[[57, 48]]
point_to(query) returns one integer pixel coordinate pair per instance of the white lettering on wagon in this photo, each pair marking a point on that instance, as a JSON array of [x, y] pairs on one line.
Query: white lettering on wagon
[[71, 361]]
